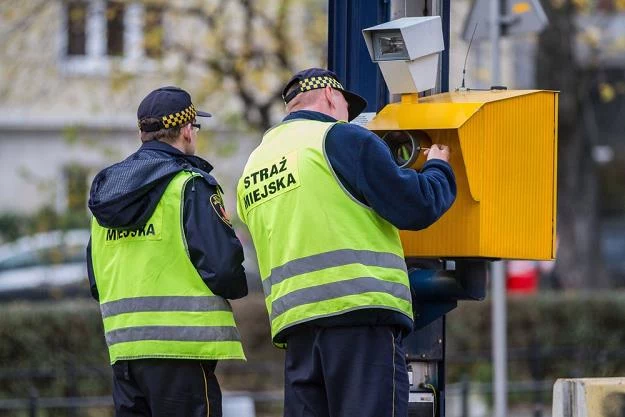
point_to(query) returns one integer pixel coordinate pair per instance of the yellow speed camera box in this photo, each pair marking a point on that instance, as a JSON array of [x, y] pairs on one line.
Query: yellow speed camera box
[[503, 152]]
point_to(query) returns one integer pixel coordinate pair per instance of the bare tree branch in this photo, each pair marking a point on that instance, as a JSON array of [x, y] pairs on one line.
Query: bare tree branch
[[24, 23], [263, 51]]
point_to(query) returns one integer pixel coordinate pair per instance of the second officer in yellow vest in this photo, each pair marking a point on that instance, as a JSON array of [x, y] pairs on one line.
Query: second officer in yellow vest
[[163, 258], [323, 201]]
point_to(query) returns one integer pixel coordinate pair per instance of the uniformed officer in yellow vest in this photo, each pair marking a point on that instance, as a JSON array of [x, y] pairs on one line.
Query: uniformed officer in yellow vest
[[323, 200], [163, 259]]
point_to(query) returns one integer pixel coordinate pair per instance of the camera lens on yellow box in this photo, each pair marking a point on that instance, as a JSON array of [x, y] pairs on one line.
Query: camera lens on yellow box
[[407, 147]]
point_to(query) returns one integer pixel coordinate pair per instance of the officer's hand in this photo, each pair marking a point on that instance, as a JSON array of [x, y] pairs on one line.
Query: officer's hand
[[438, 152]]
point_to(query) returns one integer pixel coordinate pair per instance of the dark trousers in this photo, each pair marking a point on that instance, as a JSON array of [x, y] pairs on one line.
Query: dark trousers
[[344, 372], [166, 388]]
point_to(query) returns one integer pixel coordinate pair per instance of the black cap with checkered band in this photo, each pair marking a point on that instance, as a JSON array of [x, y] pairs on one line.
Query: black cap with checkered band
[[170, 106], [313, 78]]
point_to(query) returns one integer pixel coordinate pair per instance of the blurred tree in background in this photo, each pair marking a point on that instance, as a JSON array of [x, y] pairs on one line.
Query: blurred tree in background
[[234, 57], [571, 58], [251, 48], [238, 53]]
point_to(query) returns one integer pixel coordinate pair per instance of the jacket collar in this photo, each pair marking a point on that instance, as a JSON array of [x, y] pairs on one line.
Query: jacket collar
[[309, 115]]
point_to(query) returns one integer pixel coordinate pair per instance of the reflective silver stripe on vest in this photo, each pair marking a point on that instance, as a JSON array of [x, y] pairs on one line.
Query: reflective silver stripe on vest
[[173, 333], [163, 303], [331, 259], [337, 289]]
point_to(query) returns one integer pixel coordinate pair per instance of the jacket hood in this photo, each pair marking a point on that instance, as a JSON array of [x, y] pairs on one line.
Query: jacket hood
[[125, 194]]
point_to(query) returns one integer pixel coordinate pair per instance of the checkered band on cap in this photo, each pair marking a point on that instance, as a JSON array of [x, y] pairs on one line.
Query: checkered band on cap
[[310, 83], [176, 119], [313, 83], [179, 118]]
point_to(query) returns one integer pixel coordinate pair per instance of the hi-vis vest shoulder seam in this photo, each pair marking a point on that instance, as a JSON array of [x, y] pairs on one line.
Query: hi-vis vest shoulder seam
[[336, 177], [153, 301], [320, 251]]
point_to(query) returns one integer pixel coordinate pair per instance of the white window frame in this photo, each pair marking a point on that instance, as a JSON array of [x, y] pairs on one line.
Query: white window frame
[[96, 61], [62, 185]]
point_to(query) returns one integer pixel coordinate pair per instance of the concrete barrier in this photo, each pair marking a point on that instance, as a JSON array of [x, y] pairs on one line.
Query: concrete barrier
[[589, 397]]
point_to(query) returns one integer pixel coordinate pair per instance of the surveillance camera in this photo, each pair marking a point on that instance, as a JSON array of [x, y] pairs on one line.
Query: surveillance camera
[[407, 52]]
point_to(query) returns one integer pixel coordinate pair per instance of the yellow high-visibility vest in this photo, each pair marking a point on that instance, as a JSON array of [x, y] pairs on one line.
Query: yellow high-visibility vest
[[153, 301], [320, 251]]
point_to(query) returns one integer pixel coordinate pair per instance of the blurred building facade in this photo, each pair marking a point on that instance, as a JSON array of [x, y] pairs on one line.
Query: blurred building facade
[[73, 73], [62, 116]]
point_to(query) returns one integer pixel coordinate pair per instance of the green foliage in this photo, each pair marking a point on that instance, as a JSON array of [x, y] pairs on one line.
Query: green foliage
[[570, 335], [53, 337], [581, 334], [11, 226], [66, 338], [71, 134], [14, 225]]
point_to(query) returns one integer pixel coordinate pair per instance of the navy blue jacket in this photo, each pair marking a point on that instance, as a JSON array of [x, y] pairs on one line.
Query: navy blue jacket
[[126, 194], [408, 199]]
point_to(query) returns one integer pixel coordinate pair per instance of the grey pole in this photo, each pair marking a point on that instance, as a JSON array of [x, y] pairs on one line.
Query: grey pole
[[500, 377], [495, 34], [498, 313]]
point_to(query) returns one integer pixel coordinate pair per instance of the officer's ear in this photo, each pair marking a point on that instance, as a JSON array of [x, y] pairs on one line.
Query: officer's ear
[[187, 132], [334, 104], [328, 94]]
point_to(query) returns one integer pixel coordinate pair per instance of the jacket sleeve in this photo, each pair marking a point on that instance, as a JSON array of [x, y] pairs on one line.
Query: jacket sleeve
[[408, 199], [91, 275], [214, 248]]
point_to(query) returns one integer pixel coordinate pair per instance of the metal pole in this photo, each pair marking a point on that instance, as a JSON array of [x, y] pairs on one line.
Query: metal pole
[[442, 8], [498, 313], [500, 377], [495, 34], [33, 403], [71, 386], [537, 375], [465, 396]]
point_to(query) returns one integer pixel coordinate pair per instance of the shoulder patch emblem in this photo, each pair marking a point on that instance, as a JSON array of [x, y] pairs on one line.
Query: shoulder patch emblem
[[218, 205]]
